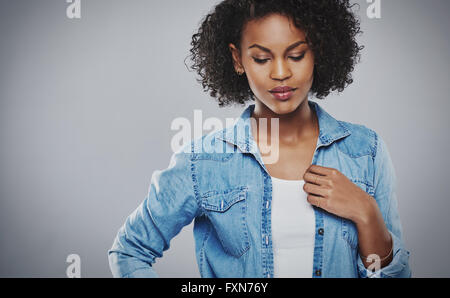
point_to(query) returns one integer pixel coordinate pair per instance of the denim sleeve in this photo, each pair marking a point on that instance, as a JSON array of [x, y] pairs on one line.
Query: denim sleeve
[[170, 205], [386, 198]]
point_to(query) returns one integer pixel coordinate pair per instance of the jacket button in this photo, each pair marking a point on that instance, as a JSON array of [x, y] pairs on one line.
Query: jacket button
[[318, 272], [320, 231]]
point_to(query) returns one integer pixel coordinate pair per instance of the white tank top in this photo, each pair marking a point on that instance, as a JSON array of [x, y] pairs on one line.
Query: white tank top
[[293, 229]]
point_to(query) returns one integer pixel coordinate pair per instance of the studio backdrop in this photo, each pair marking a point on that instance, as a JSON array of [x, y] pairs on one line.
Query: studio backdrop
[[89, 93]]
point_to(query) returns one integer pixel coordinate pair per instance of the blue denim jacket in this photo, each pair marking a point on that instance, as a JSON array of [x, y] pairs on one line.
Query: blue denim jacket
[[221, 182]]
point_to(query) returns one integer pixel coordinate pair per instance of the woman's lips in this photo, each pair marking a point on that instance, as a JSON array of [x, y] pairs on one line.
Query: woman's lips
[[283, 95]]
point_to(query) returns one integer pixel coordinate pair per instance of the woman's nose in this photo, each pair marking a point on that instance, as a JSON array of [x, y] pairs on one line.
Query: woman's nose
[[280, 70]]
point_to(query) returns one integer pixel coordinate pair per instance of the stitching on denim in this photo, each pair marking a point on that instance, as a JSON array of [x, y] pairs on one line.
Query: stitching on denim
[[244, 222], [373, 160], [211, 207], [225, 156], [389, 201], [267, 188], [201, 262], [194, 183], [355, 155], [352, 242], [357, 180], [243, 190], [225, 192], [202, 249], [375, 146], [344, 127]]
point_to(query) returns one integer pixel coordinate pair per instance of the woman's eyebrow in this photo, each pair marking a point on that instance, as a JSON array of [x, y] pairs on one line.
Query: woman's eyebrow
[[294, 45]]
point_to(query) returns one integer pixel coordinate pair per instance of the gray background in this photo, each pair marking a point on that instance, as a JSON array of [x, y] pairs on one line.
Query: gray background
[[86, 107]]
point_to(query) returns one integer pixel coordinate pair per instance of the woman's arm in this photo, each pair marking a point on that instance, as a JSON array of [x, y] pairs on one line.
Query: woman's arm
[[170, 205], [373, 237], [381, 217], [376, 218]]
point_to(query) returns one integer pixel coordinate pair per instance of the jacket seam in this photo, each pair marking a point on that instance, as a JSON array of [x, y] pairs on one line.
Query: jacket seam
[[194, 182], [202, 249], [346, 129], [374, 155], [388, 203]]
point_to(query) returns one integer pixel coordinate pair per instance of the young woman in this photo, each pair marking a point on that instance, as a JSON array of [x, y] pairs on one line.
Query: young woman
[[325, 206]]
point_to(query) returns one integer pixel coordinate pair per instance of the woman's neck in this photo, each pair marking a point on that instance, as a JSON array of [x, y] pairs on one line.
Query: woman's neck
[[294, 127]]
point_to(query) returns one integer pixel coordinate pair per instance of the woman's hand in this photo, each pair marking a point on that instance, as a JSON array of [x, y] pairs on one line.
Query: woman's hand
[[332, 191]]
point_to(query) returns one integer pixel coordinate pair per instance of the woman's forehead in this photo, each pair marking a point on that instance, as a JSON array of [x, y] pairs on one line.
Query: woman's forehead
[[271, 31]]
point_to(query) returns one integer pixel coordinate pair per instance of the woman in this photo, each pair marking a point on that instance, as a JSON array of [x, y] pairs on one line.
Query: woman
[[322, 204]]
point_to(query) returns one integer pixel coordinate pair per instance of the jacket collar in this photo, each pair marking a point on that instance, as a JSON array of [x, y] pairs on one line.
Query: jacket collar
[[239, 134]]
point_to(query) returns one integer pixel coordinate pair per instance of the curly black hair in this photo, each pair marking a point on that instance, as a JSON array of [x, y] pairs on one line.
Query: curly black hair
[[330, 27]]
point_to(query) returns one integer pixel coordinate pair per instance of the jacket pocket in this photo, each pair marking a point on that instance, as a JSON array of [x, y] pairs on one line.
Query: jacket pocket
[[348, 227], [227, 212]]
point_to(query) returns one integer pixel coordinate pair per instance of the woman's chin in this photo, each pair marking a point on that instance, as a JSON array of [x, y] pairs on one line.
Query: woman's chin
[[285, 107]]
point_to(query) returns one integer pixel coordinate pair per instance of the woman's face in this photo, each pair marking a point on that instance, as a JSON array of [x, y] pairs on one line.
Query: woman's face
[[274, 53]]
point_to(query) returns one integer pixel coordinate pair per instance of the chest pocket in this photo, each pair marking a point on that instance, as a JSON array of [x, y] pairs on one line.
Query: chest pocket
[[348, 228], [227, 212]]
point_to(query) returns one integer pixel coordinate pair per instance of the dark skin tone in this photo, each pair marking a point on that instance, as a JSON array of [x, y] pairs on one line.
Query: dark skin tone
[[275, 53]]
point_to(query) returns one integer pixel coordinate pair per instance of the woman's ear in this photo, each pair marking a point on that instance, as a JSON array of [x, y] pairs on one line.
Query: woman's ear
[[236, 55]]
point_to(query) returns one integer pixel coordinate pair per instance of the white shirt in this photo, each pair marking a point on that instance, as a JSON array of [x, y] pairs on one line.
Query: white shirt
[[293, 229]]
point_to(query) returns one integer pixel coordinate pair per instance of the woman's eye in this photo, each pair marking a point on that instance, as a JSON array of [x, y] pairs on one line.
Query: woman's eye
[[298, 58], [260, 61]]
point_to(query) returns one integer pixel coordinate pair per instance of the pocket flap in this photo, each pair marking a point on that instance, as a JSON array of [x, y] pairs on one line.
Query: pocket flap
[[222, 201]]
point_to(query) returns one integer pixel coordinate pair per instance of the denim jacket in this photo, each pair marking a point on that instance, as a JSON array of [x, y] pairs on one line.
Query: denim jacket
[[221, 182]]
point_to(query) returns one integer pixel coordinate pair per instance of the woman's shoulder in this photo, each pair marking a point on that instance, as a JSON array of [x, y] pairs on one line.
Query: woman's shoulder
[[208, 143], [360, 141]]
